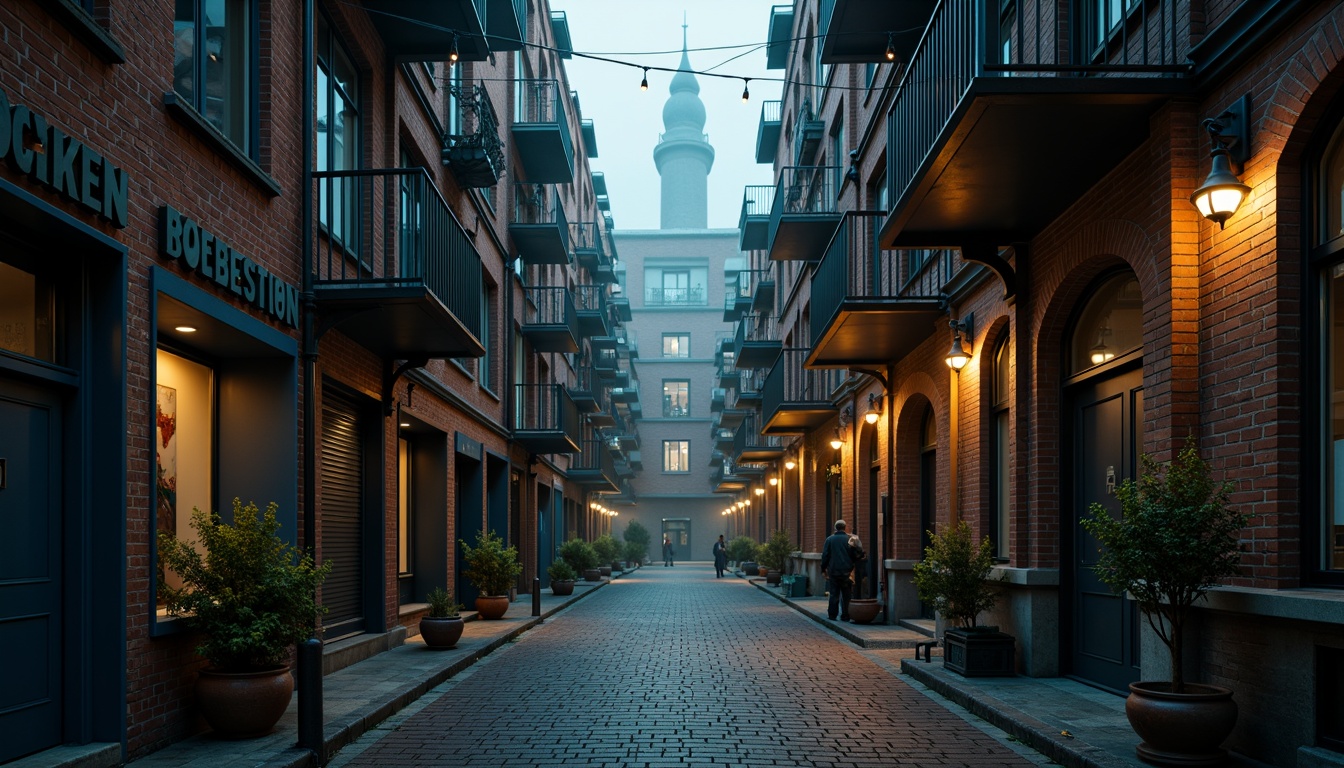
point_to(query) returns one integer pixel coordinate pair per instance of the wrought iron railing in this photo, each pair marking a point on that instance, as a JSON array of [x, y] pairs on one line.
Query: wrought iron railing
[[678, 297], [390, 228], [472, 149], [788, 382], [808, 189], [548, 305], [546, 408], [542, 102]]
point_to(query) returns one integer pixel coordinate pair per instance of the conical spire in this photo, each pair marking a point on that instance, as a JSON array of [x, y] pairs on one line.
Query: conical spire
[[683, 154]]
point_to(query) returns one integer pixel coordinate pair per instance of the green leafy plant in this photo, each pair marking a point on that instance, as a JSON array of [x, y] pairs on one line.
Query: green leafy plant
[[561, 571], [250, 594], [491, 566], [441, 604], [953, 576], [774, 553], [1176, 536], [607, 549], [579, 554], [637, 540], [741, 549]]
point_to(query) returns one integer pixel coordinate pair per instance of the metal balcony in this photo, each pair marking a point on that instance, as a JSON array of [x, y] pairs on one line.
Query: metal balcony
[[752, 446], [588, 392], [426, 30], [779, 37], [620, 305], [757, 343], [538, 227], [589, 245], [605, 362], [546, 419], [717, 399], [796, 400], [858, 31], [606, 416], [393, 268], [724, 480], [593, 466], [808, 132], [763, 292], [564, 45], [626, 394], [804, 213], [873, 306], [506, 24], [674, 297], [472, 149], [754, 222], [767, 133], [594, 315], [723, 439], [541, 132], [589, 138], [983, 151], [749, 389], [551, 322]]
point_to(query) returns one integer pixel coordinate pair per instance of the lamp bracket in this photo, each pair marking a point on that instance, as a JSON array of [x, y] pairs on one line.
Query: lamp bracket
[[877, 376], [989, 254], [1231, 131], [390, 376], [964, 326]]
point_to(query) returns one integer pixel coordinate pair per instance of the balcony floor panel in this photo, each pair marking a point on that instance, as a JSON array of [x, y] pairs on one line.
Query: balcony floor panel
[[546, 337], [803, 236], [543, 153], [858, 30], [545, 441], [755, 233], [421, 30], [756, 453], [540, 243], [798, 418], [758, 354], [870, 333], [1019, 153], [397, 323]]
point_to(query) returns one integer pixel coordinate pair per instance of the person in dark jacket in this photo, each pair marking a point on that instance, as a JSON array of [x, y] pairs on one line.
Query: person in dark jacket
[[667, 552], [836, 566], [720, 557]]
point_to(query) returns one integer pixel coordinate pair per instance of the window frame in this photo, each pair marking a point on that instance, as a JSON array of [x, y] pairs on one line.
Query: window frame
[[685, 399], [1000, 409], [247, 77], [685, 452], [687, 345]]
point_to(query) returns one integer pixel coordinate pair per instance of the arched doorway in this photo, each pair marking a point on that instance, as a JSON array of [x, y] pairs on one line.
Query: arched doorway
[[1103, 394]]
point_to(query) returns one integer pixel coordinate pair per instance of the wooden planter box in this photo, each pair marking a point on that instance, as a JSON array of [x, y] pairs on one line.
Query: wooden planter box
[[979, 652]]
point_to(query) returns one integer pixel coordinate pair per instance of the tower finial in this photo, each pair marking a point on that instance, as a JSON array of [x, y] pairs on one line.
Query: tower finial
[[683, 30]]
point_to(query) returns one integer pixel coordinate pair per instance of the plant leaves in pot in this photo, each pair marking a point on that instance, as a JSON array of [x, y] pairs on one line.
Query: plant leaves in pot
[[493, 568], [442, 624], [1175, 537], [252, 596], [562, 578], [954, 578]]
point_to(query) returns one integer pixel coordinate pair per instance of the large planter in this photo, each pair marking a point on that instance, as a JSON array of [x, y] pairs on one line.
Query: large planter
[[592, 574], [773, 576], [492, 606], [604, 570], [862, 610], [243, 705], [440, 632], [978, 652], [1181, 728], [750, 569], [560, 588]]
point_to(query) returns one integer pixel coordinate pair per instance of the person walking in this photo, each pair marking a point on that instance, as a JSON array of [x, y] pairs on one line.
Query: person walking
[[720, 557], [667, 551], [836, 565]]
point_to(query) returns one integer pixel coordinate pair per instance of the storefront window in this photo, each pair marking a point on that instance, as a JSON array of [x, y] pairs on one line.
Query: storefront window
[[1110, 326], [183, 445], [27, 313]]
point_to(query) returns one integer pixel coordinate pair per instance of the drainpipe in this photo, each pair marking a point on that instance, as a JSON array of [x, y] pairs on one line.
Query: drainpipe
[[310, 650]]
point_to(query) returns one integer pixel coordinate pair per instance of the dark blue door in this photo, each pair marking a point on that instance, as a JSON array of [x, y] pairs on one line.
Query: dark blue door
[[30, 572]]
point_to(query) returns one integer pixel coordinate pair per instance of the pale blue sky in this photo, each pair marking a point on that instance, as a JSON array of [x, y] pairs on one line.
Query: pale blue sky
[[627, 121]]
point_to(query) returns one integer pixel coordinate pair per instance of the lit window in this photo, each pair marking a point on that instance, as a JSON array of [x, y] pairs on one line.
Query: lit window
[[337, 135], [676, 345], [676, 399], [676, 455]]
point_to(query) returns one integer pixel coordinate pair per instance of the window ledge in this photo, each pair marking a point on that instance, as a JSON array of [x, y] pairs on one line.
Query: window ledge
[[1314, 605], [194, 120], [88, 30]]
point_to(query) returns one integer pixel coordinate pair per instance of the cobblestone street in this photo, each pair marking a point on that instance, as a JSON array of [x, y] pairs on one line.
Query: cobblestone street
[[671, 667]]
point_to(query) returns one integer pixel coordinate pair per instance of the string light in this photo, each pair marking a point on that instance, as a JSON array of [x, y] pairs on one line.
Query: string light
[[644, 84], [452, 52], [891, 46], [746, 92]]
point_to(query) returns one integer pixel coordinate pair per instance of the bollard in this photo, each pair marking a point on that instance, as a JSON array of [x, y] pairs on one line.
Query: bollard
[[536, 596], [310, 698]]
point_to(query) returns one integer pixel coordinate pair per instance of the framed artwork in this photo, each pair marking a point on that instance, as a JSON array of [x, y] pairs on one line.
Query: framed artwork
[[165, 455]]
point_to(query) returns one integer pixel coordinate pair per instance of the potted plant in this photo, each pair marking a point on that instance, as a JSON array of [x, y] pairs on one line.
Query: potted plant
[[582, 558], [1176, 536], [954, 578], [562, 578], [442, 624], [252, 597], [493, 568], [741, 550], [774, 555], [636, 542], [607, 551]]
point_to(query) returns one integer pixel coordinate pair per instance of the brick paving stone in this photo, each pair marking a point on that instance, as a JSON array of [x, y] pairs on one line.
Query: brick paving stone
[[674, 668]]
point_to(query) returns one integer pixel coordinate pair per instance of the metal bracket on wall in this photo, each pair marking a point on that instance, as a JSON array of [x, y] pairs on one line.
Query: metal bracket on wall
[[390, 381]]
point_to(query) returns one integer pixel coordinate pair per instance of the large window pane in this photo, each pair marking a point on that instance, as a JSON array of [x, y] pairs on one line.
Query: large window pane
[[1332, 534], [212, 45]]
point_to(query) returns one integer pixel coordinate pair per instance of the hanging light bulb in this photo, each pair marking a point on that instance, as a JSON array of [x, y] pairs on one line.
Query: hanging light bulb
[[891, 47], [746, 92], [452, 51], [644, 84]]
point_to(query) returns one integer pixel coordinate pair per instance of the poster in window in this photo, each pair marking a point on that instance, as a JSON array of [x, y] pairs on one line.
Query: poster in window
[[165, 454]]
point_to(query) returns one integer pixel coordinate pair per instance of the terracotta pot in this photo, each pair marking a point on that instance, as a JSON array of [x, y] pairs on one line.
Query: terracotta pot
[[863, 610], [441, 632], [1181, 728], [492, 606], [761, 570], [243, 705], [560, 588]]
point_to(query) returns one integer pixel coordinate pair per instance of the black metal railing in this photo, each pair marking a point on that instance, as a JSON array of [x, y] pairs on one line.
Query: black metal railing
[[788, 382], [542, 102], [674, 297], [757, 201], [591, 298], [548, 305], [472, 148], [808, 189], [1042, 39], [546, 408], [390, 228], [756, 328], [749, 437], [539, 204], [594, 459]]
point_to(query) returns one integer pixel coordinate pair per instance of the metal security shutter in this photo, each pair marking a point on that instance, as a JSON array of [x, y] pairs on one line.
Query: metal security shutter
[[342, 494]]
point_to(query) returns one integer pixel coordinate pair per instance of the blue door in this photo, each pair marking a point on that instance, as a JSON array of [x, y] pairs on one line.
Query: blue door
[[30, 571]]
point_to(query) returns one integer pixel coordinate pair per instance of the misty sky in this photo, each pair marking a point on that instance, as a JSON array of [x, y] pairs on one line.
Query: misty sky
[[627, 121]]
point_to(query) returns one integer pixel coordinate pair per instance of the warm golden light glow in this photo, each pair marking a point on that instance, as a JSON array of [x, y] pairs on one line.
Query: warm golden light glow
[[790, 464]]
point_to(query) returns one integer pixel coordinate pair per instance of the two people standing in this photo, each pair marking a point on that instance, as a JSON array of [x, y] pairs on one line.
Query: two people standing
[[840, 554]]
